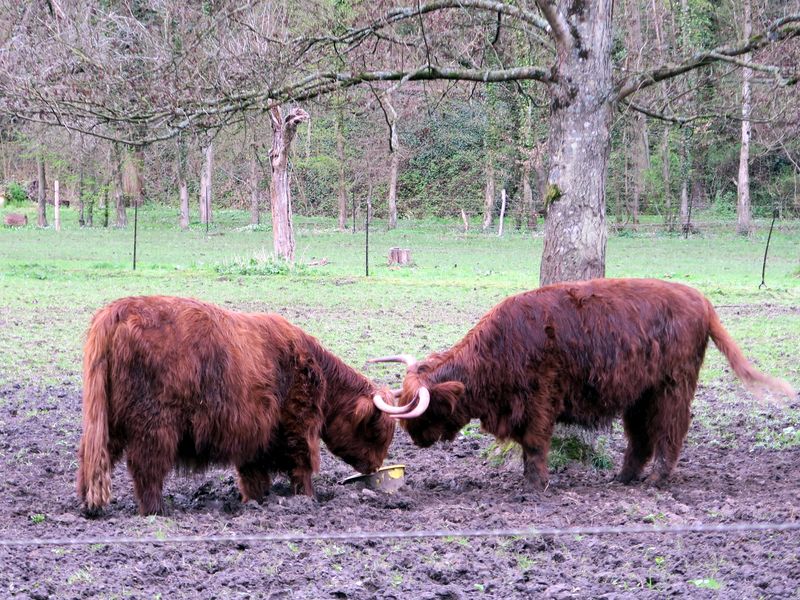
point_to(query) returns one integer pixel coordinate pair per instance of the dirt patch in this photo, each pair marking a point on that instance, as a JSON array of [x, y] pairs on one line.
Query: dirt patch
[[725, 475]]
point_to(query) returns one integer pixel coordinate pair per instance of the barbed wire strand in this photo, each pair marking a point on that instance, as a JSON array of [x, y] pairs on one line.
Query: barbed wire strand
[[355, 536]]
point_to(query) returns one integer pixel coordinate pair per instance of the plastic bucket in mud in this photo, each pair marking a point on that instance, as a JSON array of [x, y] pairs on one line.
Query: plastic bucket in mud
[[387, 479]]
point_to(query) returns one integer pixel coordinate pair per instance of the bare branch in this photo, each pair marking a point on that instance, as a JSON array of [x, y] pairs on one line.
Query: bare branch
[[558, 25], [781, 29]]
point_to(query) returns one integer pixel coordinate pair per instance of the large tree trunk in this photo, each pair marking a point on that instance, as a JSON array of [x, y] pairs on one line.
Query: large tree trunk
[[340, 155], [183, 184], [743, 199], [283, 131], [41, 219], [394, 166], [580, 119], [119, 187], [205, 184]]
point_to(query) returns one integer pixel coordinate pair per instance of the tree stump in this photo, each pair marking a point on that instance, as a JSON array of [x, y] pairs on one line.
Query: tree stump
[[399, 256], [16, 220]]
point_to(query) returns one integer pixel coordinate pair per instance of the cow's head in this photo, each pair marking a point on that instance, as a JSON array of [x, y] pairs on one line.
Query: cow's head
[[359, 433], [430, 411]]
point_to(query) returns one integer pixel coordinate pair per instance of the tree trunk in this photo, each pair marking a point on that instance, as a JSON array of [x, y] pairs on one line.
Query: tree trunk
[[283, 131], [41, 192], [119, 188], [255, 208], [81, 207], [527, 195], [526, 153], [685, 170], [183, 184], [639, 151], [205, 184], [56, 206], [579, 144], [540, 170], [488, 195], [394, 162], [340, 155], [502, 212], [743, 197], [669, 218], [105, 206], [686, 142]]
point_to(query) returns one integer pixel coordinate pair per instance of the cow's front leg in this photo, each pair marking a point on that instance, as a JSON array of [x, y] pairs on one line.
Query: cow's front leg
[[534, 460]]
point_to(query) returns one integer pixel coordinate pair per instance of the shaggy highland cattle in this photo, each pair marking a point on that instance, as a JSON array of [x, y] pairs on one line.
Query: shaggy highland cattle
[[582, 353], [179, 382]]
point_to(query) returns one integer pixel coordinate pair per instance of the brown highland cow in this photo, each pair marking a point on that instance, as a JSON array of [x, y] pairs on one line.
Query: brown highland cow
[[178, 382], [580, 352]]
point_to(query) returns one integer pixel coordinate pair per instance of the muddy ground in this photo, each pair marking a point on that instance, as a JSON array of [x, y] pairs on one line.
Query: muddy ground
[[739, 465]]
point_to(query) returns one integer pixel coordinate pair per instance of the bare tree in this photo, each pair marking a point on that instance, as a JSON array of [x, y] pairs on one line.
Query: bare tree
[[116, 156], [206, 178], [41, 191], [284, 129], [743, 185], [116, 75], [183, 183], [489, 189], [394, 159]]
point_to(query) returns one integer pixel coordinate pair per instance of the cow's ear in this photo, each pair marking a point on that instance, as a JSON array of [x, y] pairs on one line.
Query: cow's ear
[[449, 392], [364, 409]]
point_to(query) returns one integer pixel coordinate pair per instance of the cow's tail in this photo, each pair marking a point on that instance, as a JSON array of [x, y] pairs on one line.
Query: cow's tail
[[94, 459], [756, 381]]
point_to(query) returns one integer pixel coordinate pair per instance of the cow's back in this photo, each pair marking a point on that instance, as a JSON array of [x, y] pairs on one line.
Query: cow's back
[[608, 341], [211, 377]]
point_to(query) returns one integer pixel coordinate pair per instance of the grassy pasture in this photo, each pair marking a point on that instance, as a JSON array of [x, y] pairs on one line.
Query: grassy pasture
[[51, 283], [739, 463]]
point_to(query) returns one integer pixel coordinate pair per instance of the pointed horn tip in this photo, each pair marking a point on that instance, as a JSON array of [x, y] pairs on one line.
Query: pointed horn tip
[[387, 408]]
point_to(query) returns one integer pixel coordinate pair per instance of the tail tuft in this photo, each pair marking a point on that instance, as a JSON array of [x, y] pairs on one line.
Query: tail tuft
[[755, 381]]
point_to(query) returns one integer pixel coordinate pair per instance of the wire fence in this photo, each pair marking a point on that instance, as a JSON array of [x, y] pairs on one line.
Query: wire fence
[[356, 536]]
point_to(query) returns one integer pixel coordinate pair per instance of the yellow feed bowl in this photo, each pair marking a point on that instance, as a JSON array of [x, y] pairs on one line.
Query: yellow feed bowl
[[387, 479]]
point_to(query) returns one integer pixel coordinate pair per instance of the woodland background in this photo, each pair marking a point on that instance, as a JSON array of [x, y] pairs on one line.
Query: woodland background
[[432, 147]]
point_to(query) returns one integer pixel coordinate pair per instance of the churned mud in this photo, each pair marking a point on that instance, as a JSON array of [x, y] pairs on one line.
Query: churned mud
[[741, 464]]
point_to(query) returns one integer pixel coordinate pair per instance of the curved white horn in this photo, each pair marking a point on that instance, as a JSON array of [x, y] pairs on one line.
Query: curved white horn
[[422, 405], [383, 406], [403, 358]]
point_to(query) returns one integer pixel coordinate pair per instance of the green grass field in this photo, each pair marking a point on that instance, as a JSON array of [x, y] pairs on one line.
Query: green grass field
[[51, 283]]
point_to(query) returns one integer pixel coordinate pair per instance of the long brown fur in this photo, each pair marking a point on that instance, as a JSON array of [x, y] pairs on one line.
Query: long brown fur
[[584, 353], [179, 382]]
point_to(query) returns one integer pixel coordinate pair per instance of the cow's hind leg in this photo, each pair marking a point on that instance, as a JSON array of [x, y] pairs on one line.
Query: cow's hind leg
[[254, 481], [150, 457], [668, 427], [637, 422]]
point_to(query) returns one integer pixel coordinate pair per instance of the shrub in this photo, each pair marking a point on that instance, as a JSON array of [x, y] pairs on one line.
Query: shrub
[[16, 193]]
